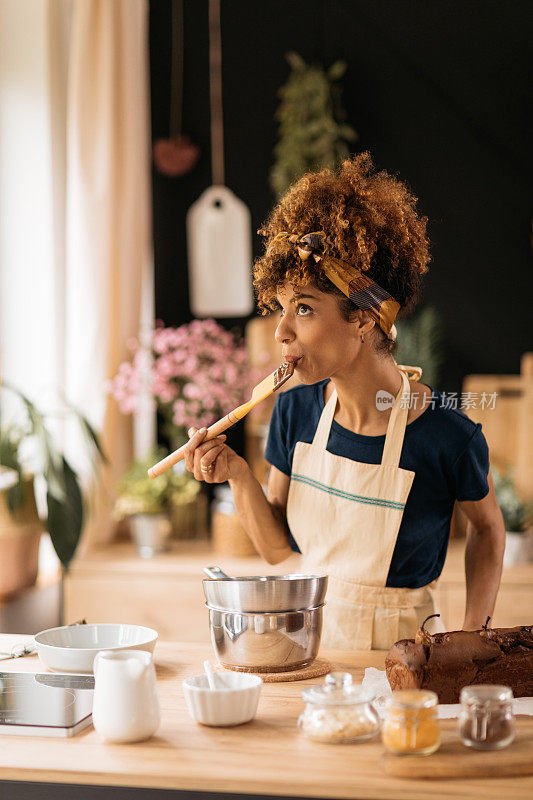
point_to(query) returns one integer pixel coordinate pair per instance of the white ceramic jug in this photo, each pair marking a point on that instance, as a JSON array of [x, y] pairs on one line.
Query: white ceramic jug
[[125, 706]]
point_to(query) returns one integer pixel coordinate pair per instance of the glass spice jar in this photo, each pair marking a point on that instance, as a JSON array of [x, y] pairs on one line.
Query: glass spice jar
[[486, 721], [339, 712], [411, 726]]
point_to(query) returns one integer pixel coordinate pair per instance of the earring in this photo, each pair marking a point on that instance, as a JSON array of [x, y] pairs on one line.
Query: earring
[[362, 339]]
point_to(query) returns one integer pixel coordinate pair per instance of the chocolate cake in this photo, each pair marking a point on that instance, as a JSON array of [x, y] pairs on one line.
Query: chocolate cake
[[445, 662]]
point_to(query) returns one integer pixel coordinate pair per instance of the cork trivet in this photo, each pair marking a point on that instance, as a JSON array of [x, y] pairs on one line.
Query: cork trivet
[[319, 667]]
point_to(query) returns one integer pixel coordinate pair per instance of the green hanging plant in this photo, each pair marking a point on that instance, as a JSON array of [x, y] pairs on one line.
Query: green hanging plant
[[313, 133], [420, 343], [65, 506]]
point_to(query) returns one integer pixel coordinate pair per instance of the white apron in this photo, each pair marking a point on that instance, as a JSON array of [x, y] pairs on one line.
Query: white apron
[[345, 516]]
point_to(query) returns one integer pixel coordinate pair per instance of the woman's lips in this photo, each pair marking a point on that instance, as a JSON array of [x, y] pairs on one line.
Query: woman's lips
[[292, 359]]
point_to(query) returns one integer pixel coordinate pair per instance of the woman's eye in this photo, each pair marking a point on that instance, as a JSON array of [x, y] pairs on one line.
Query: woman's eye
[[301, 310]]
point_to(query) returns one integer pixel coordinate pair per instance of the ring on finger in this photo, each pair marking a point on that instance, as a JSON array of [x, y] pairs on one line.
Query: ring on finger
[[207, 468]]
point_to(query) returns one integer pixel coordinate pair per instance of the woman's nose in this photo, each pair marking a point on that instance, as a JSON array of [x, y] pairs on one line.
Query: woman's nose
[[283, 331]]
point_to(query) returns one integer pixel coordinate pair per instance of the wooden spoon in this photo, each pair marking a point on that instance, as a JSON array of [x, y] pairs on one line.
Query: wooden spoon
[[270, 384]]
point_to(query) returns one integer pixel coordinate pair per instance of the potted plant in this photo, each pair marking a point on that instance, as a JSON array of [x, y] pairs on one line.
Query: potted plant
[[28, 452], [154, 507], [516, 516]]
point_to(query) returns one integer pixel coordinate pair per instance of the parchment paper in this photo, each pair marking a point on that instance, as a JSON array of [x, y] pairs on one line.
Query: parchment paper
[[375, 680]]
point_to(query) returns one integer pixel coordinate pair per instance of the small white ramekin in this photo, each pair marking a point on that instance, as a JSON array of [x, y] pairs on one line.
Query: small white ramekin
[[234, 703]]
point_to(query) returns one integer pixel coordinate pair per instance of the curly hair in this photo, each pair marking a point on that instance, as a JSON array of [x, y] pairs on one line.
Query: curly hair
[[370, 220]]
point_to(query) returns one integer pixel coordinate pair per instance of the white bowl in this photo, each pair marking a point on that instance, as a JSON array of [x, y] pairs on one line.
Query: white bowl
[[72, 648], [232, 704]]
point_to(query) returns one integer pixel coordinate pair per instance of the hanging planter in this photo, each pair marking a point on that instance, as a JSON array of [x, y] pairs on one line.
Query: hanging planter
[[176, 155]]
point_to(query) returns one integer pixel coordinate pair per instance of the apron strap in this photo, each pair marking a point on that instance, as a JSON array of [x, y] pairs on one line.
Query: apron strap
[[395, 429], [321, 436], [413, 373]]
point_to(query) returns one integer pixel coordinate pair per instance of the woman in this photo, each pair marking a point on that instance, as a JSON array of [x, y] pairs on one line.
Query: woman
[[366, 464]]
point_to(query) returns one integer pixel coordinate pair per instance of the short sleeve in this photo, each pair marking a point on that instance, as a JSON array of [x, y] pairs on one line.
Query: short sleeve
[[470, 470], [276, 452]]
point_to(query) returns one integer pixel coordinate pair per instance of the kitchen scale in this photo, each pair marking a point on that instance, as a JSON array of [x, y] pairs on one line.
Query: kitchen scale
[[44, 704]]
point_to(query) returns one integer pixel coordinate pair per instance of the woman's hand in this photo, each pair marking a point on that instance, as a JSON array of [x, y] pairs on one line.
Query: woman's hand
[[212, 461]]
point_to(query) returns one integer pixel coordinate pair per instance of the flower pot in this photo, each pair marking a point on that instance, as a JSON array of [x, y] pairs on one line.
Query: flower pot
[[518, 548], [20, 535], [150, 532]]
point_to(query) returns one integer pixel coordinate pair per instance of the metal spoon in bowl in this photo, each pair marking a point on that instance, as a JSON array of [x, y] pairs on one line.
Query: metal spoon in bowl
[[215, 573]]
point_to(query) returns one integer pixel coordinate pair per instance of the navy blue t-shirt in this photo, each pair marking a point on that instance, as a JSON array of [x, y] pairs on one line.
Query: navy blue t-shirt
[[443, 447]]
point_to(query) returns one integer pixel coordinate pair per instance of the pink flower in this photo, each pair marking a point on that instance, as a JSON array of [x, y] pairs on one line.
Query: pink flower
[[191, 391], [190, 365], [197, 373]]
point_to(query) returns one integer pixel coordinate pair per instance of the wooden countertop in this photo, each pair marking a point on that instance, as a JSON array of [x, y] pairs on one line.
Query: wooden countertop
[[265, 756]]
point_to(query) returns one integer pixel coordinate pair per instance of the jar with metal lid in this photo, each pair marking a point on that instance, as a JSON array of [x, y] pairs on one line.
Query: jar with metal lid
[[486, 721], [339, 712], [411, 726]]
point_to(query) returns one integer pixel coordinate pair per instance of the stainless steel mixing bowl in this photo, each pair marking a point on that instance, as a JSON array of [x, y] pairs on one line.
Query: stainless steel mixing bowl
[[275, 642], [269, 593]]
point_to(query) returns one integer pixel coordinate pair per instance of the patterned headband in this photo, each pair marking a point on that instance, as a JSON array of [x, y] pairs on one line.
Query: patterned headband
[[352, 282]]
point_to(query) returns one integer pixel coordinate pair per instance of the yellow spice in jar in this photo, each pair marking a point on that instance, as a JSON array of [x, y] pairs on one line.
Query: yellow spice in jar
[[411, 725]]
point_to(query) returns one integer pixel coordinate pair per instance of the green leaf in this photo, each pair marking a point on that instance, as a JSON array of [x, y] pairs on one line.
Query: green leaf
[[88, 431], [55, 482], [65, 517], [9, 443], [93, 436], [9, 449], [27, 402], [346, 132], [295, 61], [337, 70], [37, 426], [16, 496]]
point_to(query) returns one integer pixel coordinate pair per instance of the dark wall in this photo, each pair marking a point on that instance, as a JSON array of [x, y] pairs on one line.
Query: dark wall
[[439, 92]]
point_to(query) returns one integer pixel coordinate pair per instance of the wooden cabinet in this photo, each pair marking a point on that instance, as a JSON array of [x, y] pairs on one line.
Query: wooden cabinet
[[514, 601], [507, 422], [113, 584], [173, 606]]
